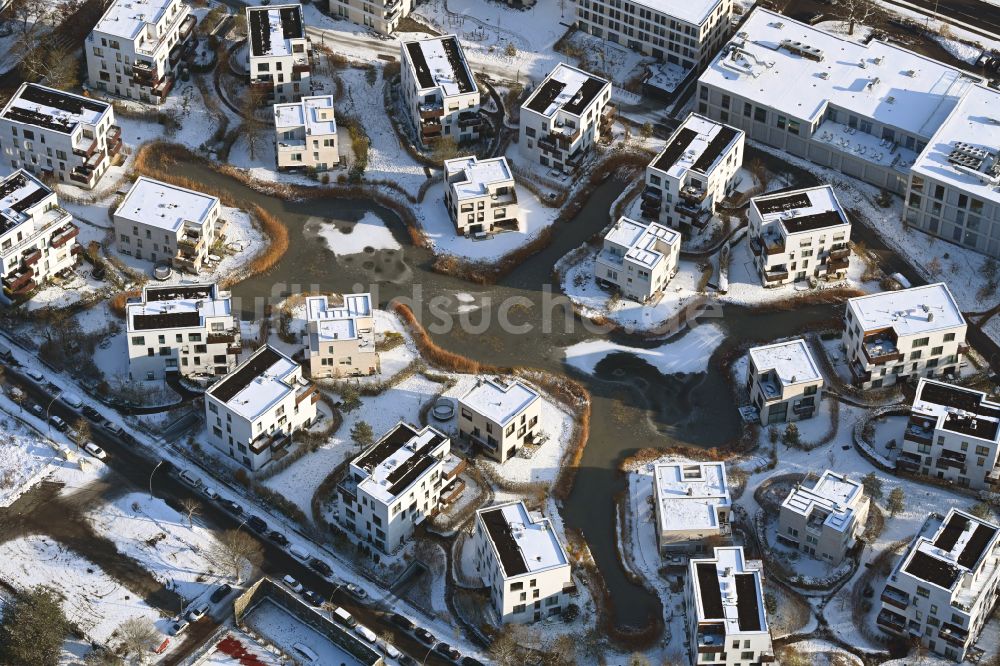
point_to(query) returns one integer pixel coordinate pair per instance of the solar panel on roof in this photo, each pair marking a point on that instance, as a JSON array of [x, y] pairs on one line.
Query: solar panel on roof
[[828, 218], [582, 99], [952, 530], [151, 322]]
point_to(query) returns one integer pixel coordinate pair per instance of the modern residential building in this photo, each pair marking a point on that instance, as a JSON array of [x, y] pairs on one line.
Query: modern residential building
[[519, 558], [57, 134], [137, 48], [280, 56], [394, 485], [181, 330], [895, 336], [440, 94], [725, 610], [500, 416], [865, 110], [564, 117], [252, 413], [824, 521], [684, 34], [692, 505], [695, 171], [160, 222], [944, 588], [952, 191], [37, 237], [480, 195], [638, 258], [341, 338], [383, 16], [784, 382], [799, 235], [306, 134], [953, 434]]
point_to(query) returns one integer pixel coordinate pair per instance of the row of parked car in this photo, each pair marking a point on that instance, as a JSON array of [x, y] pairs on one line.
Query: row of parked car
[[427, 638]]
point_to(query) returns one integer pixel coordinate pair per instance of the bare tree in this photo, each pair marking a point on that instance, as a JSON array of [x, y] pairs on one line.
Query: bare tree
[[761, 176], [505, 651], [560, 651], [56, 65], [28, 14], [235, 551], [252, 128], [192, 508], [865, 12], [136, 636], [82, 428]]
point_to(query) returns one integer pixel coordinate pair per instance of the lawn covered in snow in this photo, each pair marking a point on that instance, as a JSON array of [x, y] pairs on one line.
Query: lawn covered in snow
[[687, 352]]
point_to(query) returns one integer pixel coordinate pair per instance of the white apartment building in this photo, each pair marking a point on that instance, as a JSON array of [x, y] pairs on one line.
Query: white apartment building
[[306, 134], [694, 171], [280, 56], [500, 416], [394, 485], [520, 560], [799, 235], [953, 434], [865, 110], [638, 259], [945, 586], [184, 330], [894, 336], [824, 521], [952, 192], [692, 504], [383, 16], [784, 382], [341, 338], [684, 34], [37, 237], [440, 94], [160, 222], [137, 47], [725, 610], [480, 195], [564, 117], [58, 134], [253, 412]]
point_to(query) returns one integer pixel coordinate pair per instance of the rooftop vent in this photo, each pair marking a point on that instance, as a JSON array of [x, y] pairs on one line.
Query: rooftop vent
[[804, 50], [824, 75]]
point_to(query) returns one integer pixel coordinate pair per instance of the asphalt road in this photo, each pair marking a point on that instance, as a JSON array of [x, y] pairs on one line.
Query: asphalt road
[[131, 469]]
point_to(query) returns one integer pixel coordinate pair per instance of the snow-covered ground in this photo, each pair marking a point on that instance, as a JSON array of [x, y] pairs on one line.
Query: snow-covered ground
[[688, 352], [368, 233]]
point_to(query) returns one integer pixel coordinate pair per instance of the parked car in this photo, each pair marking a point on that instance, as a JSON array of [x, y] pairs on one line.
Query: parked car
[[54, 389], [257, 524], [34, 374], [91, 413], [313, 598], [6, 354], [320, 567], [232, 506], [73, 400], [95, 450], [365, 633], [197, 612], [356, 592], [220, 593], [469, 661], [210, 493], [298, 552], [189, 478], [179, 627], [306, 652], [278, 538], [391, 651], [293, 585], [58, 423], [343, 617], [402, 621], [406, 660], [38, 410], [424, 636], [448, 651]]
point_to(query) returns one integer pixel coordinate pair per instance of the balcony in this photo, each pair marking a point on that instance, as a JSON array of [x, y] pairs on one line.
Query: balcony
[[162, 89], [891, 621], [908, 462], [897, 598], [993, 478], [187, 26], [698, 215], [390, 5], [499, 200], [565, 136], [607, 116], [430, 111], [548, 143], [918, 434], [64, 235], [772, 245], [953, 634], [430, 130], [114, 139], [263, 86], [307, 392], [31, 257], [840, 253], [87, 151], [880, 351], [225, 337], [80, 175], [185, 263], [963, 348], [711, 640], [693, 194], [469, 119], [834, 265], [17, 280], [804, 411], [775, 275]]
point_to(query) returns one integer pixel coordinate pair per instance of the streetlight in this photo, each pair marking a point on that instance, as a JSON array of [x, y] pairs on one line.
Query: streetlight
[[151, 478], [48, 423], [424, 660]]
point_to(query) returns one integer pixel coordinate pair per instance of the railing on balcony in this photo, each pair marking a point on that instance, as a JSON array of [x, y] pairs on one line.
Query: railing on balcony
[[918, 434], [548, 143], [909, 461], [840, 253], [469, 119], [16, 280], [834, 265], [31, 257], [691, 193], [308, 391], [162, 89], [430, 130], [880, 352], [953, 634], [896, 597], [64, 235], [773, 245], [775, 276], [429, 111], [891, 621], [187, 26]]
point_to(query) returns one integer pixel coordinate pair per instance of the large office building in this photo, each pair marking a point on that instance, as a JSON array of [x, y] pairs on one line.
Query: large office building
[[692, 505], [306, 134], [341, 338], [824, 520], [695, 171], [279, 56], [480, 195], [953, 434], [638, 259], [383, 16], [521, 561], [727, 625], [799, 235], [500, 416], [686, 34], [57, 134], [564, 118], [253, 412], [784, 382], [37, 236], [137, 48], [944, 588], [440, 94], [182, 330], [895, 336]]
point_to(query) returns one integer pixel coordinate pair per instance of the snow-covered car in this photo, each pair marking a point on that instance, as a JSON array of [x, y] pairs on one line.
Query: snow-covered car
[[95, 450], [391, 651], [38, 410], [299, 553], [357, 592], [210, 493], [197, 612], [365, 633], [73, 400], [293, 585], [343, 617], [179, 627], [34, 374], [189, 478], [91, 413], [305, 652], [58, 423], [313, 598]]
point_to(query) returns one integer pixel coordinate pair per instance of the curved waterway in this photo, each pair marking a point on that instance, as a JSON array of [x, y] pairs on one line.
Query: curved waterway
[[519, 322]]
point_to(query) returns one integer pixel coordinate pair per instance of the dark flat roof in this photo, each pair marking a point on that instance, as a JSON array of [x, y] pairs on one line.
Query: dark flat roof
[[410, 470], [56, 99], [747, 604], [708, 589], [590, 89], [932, 570], [828, 218], [951, 531], [13, 183], [976, 545], [177, 292], [141, 322], [236, 381], [957, 397], [545, 95], [715, 147], [259, 27], [424, 77], [454, 54], [391, 442], [675, 148], [499, 531], [778, 204]]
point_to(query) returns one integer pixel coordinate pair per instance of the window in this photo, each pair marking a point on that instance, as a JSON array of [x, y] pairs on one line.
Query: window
[[949, 337], [920, 342], [760, 115]]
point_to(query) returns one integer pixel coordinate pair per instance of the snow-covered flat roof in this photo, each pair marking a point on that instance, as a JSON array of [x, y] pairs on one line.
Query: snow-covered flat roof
[[955, 549], [699, 144], [315, 114], [19, 193], [165, 206], [522, 542], [439, 62], [908, 311], [642, 240], [403, 457], [729, 591], [791, 361], [694, 13], [566, 88], [802, 211], [53, 109], [965, 151], [834, 498], [499, 400], [478, 174], [341, 323], [188, 308], [272, 28], [258, 383], [797, 69], [690, 495], [126, 18]]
